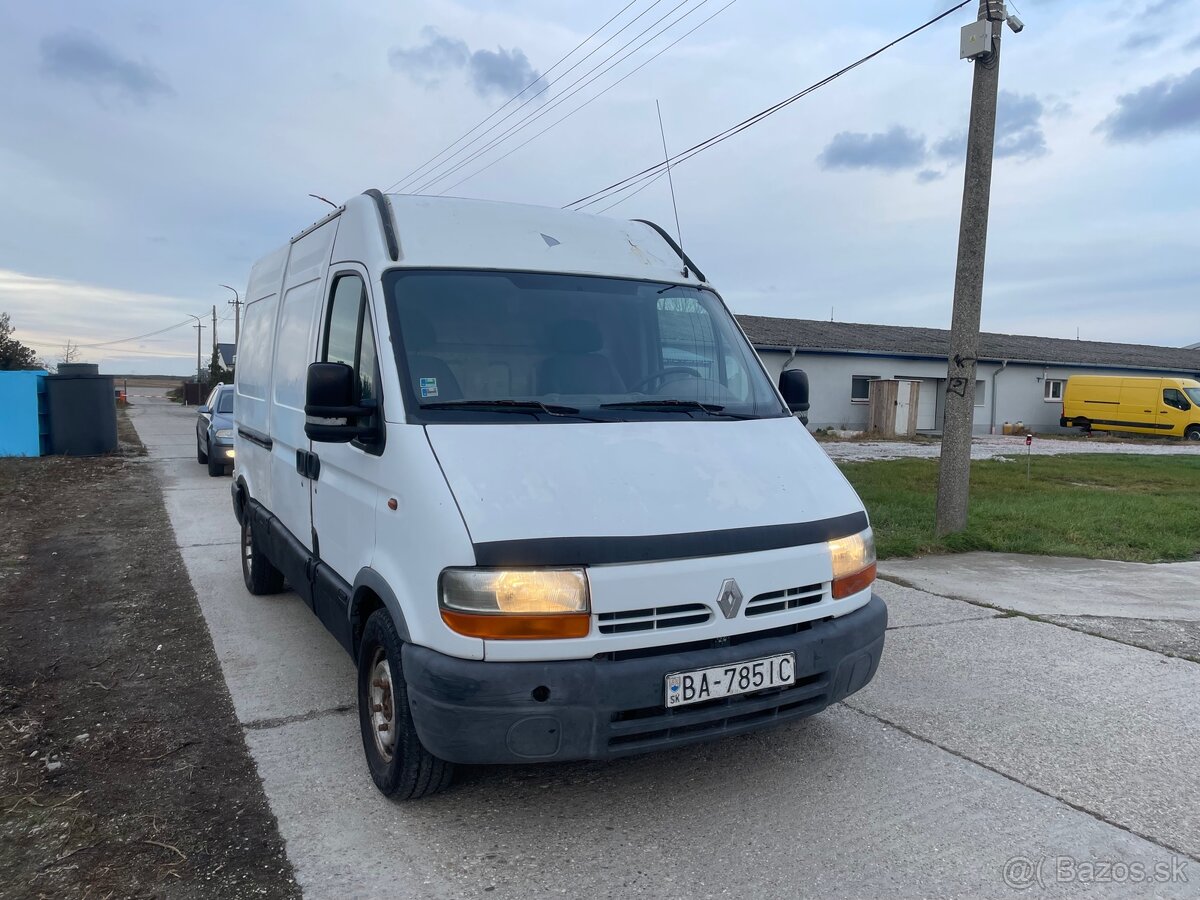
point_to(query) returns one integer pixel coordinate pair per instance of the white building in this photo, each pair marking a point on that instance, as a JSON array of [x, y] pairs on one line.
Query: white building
[[1020, 378]]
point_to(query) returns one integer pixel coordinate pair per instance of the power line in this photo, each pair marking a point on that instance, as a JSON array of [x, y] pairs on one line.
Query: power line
[[571, 88], [626, 183], [137, 337], [631, 194], [596, 96], [407, 178]]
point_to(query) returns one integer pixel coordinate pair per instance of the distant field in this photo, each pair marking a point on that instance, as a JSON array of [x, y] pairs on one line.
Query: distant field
[[148, 381], [1099, 506]]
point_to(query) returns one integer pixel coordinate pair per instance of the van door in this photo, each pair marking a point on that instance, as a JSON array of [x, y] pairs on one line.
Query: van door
[[1175, 413], [346, 486], [1139, 404], [295, 342]]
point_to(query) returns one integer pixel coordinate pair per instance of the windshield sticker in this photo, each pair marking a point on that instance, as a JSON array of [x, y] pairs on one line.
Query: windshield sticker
[[428, 387]]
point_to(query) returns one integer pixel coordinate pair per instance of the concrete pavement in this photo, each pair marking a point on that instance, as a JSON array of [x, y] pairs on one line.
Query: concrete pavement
[[985, 739], [1058, 586]]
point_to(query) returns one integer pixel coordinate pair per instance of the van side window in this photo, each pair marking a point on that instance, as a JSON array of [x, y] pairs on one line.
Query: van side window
[[1175, 398], [345, 311], [349, 336]]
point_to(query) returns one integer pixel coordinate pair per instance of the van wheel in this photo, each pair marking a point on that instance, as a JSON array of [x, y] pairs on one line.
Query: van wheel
[[1084, 424], [400, 766], [1192, 433], [260, 575]]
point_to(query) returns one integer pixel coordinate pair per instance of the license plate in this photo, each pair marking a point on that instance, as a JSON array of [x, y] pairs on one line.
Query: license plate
[[729, 680]]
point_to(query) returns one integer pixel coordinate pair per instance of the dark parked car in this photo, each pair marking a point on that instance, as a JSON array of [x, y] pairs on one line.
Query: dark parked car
[[214, 430]]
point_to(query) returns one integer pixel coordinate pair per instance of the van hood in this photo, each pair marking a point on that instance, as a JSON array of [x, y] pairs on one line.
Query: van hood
[[628, 479]]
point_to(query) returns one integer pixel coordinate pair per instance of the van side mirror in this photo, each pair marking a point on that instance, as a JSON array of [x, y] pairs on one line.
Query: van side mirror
[[793, 384], [330, 398]]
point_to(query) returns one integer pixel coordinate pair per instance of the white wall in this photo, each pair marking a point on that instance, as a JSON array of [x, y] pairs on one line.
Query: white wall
[[1019, 388]]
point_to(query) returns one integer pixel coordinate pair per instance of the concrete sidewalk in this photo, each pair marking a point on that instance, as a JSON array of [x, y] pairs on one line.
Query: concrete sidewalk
[[1058, 586]]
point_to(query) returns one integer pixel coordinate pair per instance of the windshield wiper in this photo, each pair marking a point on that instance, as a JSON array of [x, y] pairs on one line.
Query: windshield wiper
[[667, 405], [517, 406]]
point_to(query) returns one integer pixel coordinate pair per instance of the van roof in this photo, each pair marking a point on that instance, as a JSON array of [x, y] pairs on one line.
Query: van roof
[[456, 233], [450, 232]]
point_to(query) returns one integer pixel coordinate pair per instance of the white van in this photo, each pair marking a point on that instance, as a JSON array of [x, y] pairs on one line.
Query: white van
[[526, 468]]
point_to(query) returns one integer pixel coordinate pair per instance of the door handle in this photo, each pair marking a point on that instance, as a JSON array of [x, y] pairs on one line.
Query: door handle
[[308, 464]]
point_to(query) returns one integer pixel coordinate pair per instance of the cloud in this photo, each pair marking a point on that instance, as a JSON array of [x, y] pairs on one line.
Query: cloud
[[953, 147], [80, 57], [501, 71], [426, 63], [891, 150], [1018, 126], [1018, 134], [1166, 106], [1160, 7], [1193, 44], [1142, 40]]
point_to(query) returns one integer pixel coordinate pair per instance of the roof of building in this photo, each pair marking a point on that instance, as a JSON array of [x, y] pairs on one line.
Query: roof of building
[[766, 332]]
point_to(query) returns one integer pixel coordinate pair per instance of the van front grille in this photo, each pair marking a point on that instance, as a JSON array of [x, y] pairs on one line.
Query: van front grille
[[782, 601], [654, 618]]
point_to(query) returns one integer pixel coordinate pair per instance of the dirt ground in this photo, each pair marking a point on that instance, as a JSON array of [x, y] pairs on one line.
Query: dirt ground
[[123, 772]]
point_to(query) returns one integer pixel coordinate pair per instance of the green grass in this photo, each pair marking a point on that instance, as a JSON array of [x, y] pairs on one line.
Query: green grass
[[1139, 508]]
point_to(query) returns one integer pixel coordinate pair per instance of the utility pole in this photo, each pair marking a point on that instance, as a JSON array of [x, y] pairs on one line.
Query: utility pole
[[980, 43], [236, 303], [199, 328], [214, 314]]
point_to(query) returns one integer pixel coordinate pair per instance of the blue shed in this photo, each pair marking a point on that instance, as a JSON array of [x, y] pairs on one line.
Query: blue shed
[[24, 421]]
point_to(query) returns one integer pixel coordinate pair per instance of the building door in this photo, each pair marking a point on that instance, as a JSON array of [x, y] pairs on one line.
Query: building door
[[927, 398]]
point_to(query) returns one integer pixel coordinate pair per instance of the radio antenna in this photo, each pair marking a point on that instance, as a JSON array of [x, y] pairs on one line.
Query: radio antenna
[[671, 182]]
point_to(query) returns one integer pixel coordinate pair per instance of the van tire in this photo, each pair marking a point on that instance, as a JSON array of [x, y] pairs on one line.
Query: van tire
[[260, 575], [402, 768], [1192, 433]]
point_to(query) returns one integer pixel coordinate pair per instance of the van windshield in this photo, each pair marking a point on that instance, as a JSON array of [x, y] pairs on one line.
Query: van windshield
[[1193, 395], [569, 347]]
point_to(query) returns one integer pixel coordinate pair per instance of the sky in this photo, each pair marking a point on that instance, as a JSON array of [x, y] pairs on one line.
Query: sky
[[151, 152]]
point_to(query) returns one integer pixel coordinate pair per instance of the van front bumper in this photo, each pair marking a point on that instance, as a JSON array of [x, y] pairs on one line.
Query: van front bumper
[[472, 711]]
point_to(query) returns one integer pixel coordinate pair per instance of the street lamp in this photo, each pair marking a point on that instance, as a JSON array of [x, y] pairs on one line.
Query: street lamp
[[237, 323]]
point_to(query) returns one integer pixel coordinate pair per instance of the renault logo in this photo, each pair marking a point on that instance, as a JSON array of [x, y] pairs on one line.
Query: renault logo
[[730, 598]]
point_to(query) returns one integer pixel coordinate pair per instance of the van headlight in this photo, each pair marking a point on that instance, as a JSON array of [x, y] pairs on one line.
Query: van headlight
[[515, 604], [853, 563]]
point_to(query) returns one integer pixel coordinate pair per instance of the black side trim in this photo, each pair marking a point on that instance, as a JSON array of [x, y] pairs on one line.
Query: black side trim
[[322, 589], [1117, 424], [256, 437], [578, 551], [674, 246], [385, 219]]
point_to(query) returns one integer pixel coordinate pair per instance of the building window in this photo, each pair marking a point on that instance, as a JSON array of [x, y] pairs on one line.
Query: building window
[[1053, 390], [860, 387], [980, 386]]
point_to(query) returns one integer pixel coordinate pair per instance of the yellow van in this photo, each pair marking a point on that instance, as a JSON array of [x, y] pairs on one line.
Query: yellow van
[[1167, 406]]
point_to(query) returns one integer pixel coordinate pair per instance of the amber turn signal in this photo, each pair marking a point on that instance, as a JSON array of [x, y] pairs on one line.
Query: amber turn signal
[[518, 626], [852, 584]]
